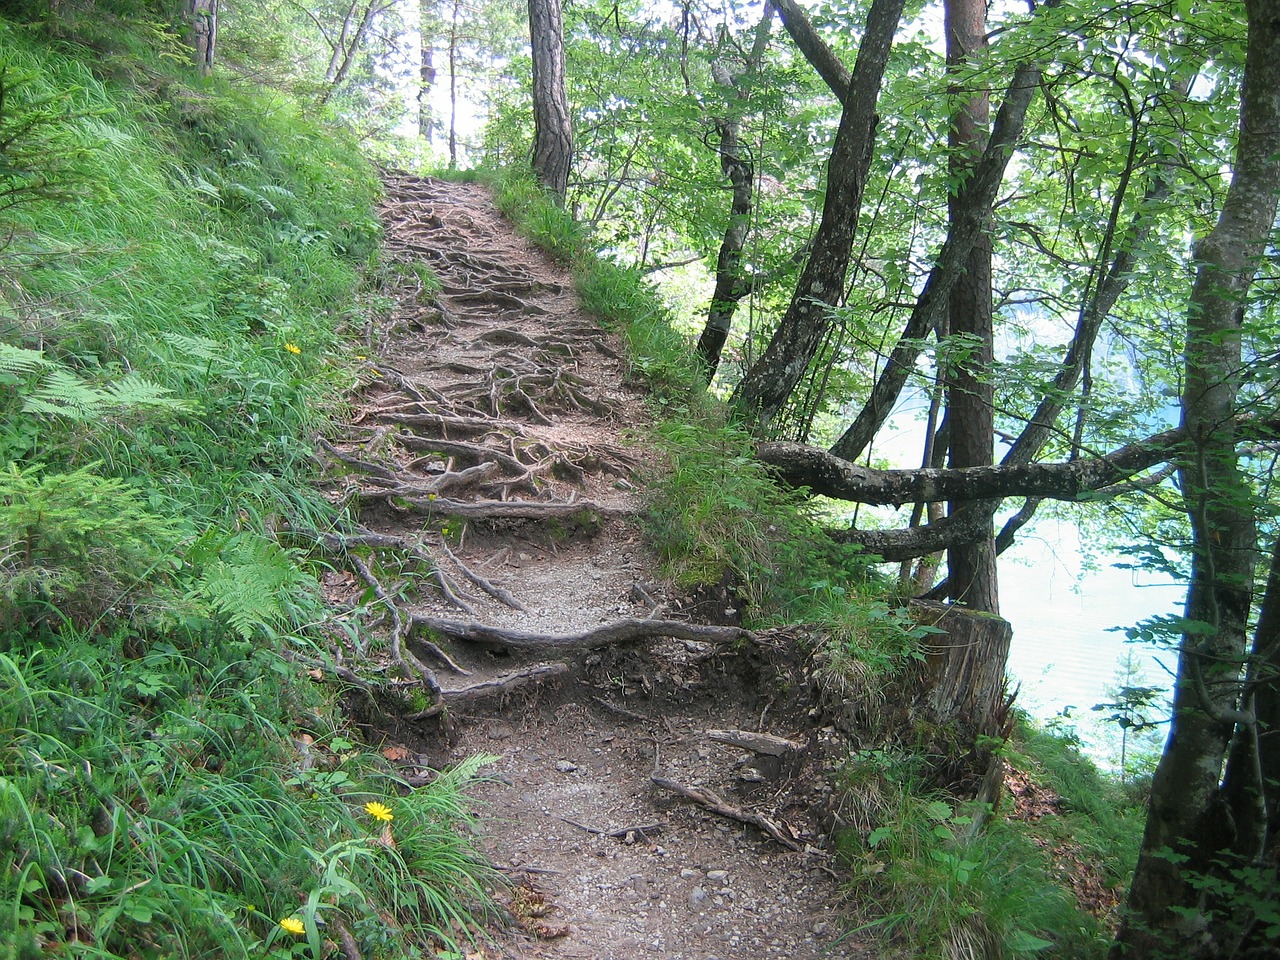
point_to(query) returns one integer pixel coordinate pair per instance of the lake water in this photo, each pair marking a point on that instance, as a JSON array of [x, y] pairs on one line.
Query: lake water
[[1065, 653]]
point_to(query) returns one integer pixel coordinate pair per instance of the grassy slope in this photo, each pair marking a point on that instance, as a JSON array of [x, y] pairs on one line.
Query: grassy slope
[[177, 265]]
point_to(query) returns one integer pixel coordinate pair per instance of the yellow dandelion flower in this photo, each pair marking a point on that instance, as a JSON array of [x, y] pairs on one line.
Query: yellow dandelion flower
[[293, 348], [293, 925], [379, 811]]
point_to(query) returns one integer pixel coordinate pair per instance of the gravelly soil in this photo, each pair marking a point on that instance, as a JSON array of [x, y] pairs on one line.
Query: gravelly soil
[[504, 365]]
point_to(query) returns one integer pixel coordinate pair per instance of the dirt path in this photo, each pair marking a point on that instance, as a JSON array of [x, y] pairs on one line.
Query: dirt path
[[497, 437]]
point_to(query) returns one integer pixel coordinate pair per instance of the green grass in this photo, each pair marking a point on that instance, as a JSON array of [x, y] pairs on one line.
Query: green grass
[[187, 798]]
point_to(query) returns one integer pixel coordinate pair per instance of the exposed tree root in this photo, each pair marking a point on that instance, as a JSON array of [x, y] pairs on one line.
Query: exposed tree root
[[399, 655], [500, 685], [620, 631]]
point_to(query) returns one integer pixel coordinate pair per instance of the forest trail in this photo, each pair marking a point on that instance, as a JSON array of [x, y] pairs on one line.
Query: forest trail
[[498, 435]]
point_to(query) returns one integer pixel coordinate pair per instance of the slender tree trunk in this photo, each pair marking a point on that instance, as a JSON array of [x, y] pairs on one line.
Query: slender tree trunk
[[974, 209], [1251, 784], [971, 567], [454, 40], [427, 23], [552, 124], [203, 36], [770, 381], [730, 287], [1187, 813]]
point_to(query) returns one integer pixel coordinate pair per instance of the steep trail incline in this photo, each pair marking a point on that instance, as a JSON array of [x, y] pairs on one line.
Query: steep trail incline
[[499, 439]]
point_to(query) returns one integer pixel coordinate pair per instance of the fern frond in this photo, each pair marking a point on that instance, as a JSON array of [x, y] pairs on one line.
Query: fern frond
[[252, 586], [133, 390], [19, 360], [61, 393]]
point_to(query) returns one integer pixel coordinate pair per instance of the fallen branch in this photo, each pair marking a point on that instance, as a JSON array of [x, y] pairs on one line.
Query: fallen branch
[[621, 833], [765, 743], [712, 801]]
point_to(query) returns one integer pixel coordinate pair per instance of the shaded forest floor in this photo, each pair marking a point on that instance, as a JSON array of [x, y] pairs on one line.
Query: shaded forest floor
[[633, 805]]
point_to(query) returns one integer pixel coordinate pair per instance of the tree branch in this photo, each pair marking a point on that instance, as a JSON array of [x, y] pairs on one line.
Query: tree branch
[[820, 56], [798, 465]]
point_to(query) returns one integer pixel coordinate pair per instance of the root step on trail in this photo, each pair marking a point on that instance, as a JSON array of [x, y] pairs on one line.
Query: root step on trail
[[658, 786]]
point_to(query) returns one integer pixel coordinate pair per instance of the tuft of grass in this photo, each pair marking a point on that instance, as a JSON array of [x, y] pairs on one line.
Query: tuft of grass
[[191, 797], [927, 881]]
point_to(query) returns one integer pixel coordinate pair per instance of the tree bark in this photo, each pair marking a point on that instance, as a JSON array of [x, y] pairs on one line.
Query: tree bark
[[427, 24], [1187, 813], [768, 384], [971, 567], [552, 124], [799, 465], [962, 705], [820, 56], [203, 37], [1251, 783]]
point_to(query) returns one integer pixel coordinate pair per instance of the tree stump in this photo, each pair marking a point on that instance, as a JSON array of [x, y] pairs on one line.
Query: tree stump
[[961, 705]]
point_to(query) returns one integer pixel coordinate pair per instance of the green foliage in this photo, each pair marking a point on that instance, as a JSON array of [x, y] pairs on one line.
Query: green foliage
[[1098, 813], [947, 892], [83, 544], [154, 800], [716, 517], [172, 298]]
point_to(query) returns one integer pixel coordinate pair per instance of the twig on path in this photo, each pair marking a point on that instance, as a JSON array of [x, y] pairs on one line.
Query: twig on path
[[619, 834], [712, 801], [621, 711]]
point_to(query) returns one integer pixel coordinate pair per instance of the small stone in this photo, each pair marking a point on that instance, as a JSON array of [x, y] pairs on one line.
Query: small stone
[[696, 897], [688, 874], [821, 927], [566, 766], [717, 876]]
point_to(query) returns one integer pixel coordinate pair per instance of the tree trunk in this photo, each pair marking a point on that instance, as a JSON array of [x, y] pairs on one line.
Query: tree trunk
[[1251, 784], [971, 567], [962, 705], [970, 224], [1187, 813], [427, 24], [730, 287], [454, 41], [552, 125], [203, 37], [769, 383]]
